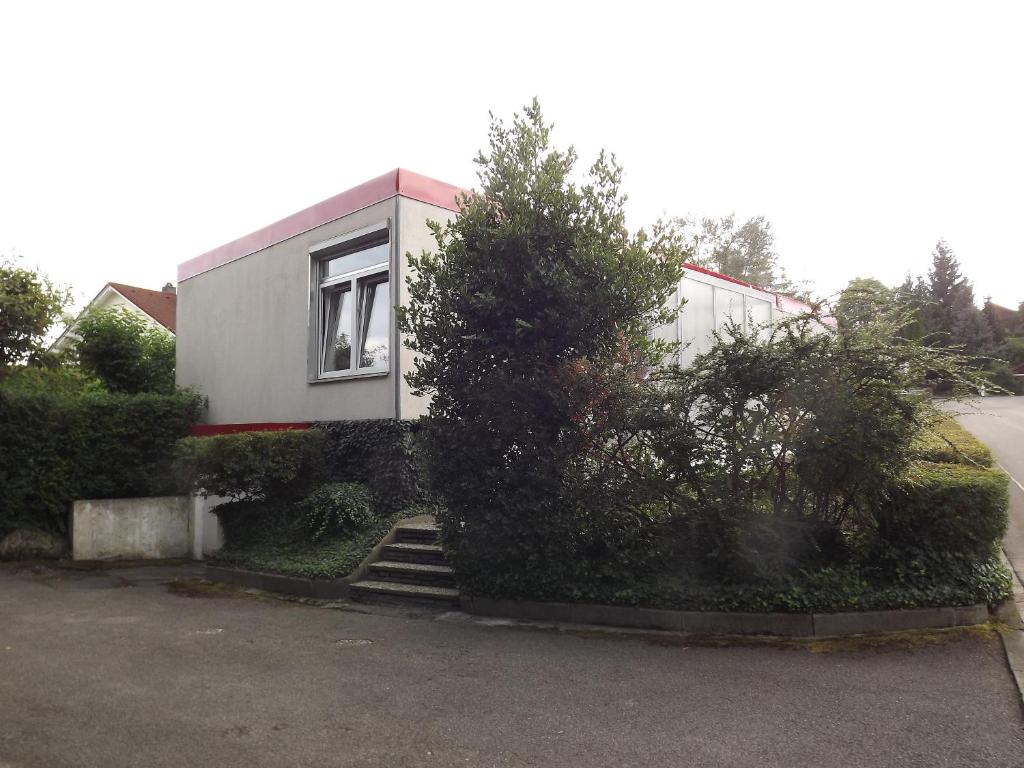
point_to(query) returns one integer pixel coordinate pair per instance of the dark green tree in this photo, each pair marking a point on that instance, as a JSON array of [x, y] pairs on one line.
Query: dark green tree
[[913, 298], [30, 304], [995, 323], [535, 276], [952, 317], [862, 300], [125, 352]]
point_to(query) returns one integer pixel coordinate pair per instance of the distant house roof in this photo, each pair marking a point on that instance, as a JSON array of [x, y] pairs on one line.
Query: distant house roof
[[1005, 316], [160, 305]]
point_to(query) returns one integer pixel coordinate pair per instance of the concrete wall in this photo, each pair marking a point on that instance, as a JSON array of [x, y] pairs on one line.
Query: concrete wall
[[106, 529], [206, 532]]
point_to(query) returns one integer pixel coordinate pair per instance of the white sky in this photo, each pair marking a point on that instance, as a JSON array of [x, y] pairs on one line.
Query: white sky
[[133, 137]]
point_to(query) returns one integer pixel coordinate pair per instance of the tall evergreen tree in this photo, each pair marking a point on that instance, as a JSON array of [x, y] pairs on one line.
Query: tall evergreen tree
[[914, 297], [945, 284], [995, 323]]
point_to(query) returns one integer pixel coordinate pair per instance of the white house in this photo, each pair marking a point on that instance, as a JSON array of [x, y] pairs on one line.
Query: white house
[[158, 308]]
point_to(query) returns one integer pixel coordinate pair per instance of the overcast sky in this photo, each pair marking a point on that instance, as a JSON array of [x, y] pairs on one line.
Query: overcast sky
[[134, 137]]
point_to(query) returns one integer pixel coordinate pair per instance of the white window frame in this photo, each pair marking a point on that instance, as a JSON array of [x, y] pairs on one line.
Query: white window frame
[[346, 245]]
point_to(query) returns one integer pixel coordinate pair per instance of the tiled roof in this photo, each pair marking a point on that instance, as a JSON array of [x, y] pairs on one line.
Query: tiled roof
[[162, 306]]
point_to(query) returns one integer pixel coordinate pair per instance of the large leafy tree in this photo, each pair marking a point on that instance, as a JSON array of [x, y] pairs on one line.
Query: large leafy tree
[[536, 277], [125, 352], [744, 251], [30, 304], [861, 301]]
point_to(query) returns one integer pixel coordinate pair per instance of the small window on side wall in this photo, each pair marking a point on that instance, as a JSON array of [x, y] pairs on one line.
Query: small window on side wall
[[351, 306]]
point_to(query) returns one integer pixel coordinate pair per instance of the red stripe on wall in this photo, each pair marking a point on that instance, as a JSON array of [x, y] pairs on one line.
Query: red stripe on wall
[[208, 430]]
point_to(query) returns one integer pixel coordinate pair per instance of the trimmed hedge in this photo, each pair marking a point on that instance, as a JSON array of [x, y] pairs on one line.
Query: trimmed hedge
[[946, 508], [281, 465], [381, 453], [946, 442], [307, 503], [98, 445], [288, 464]]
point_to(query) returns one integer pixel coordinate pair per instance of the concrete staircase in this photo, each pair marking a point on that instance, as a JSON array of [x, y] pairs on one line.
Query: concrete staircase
[[412, 568]]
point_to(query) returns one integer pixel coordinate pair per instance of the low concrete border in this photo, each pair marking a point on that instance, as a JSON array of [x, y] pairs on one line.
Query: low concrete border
[[321, 589], [728, 623], [1011, 614]]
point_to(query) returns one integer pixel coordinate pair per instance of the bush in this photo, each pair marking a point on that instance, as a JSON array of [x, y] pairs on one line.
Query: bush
[[536, 273], [98, 445], [381, 453], [952, 509], [946, 442], [125, 352], [57, 381], [276, 466], [337, 508], [252, 522]]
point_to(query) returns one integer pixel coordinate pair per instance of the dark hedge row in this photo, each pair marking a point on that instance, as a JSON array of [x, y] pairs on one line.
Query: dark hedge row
[[309, 503], [97, 445]]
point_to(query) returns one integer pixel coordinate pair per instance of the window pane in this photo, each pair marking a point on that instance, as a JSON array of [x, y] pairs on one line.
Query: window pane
[[374, 320], [728, 308], [337, 320], [759, 312], [368, 257], [698, 318]]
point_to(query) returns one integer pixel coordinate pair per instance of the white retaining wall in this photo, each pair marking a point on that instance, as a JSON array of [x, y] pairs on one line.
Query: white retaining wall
[[144, 528]]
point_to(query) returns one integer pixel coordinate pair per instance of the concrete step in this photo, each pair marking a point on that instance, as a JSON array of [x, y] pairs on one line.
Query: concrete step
[[414, 552], [423, 533], [413, 573], [370, 589]]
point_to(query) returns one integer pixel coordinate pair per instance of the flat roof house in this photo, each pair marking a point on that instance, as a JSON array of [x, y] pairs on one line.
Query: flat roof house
[[294, 322]]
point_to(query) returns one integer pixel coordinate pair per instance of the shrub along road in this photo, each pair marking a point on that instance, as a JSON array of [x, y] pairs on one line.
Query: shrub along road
[[114, 669], [999, 423]]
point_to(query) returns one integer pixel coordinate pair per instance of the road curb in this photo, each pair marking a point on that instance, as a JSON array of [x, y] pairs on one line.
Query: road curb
[[797, 625], [1011, 612]]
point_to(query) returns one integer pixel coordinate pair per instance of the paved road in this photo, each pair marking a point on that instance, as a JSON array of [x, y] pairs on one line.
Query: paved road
[[999, 423], [116, 669]]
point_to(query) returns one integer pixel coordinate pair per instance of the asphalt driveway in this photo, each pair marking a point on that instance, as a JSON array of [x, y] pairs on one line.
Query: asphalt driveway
[[118, 669]]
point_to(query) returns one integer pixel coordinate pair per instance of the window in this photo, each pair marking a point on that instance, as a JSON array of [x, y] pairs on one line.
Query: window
[[352, 306]]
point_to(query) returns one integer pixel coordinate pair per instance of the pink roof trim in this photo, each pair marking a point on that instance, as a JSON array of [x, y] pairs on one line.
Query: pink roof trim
[[396, 182], [784, 303]]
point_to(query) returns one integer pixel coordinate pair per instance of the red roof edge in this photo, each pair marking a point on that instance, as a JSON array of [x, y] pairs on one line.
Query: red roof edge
[[396, 182], [209, 430]]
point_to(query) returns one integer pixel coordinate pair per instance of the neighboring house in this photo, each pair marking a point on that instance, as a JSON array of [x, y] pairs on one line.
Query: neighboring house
[[294, 323], [158, 308]]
